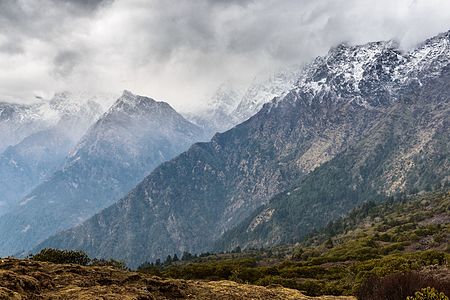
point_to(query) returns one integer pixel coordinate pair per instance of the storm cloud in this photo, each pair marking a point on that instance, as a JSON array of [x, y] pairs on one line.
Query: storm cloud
[[179, 51]]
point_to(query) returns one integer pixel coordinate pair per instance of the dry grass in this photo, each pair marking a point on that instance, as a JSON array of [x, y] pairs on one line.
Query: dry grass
[[27, 279]]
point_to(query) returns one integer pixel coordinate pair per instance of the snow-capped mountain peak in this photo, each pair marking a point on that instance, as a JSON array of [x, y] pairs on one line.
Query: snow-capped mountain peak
[[350, 70], [218, 113], [430, 56], [263, 90], [373, 71], [130, 103], [225, 99], [18, 121]]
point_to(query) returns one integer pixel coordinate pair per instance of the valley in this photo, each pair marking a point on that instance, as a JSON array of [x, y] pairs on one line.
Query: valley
[[225, 149]]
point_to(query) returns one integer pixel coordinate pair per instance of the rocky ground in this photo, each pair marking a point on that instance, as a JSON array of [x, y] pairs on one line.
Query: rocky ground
[[28, 279]]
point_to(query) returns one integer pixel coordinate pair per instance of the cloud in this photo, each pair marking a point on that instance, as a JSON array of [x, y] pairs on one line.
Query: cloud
[[88, 5], [179, 51], [65, 61]]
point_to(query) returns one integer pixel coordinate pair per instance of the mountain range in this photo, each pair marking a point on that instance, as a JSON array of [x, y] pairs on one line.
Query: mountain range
[[18, 121], [49, 130], [365, 121], [134, 136]]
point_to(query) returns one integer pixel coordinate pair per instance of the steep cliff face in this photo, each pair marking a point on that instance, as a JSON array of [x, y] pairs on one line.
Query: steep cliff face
[[339, 102], [120, 149]]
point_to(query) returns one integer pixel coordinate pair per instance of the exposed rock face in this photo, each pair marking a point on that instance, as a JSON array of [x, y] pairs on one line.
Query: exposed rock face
[[26, 279], [134, 136], [338, 104]]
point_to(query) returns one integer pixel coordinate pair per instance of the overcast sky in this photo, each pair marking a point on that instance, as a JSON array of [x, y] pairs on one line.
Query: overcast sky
[[180, 50]]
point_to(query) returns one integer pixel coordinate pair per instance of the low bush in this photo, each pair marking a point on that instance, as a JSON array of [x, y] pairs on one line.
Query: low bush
[[399, 286], [428, 293], [62, 256], [78, 257]]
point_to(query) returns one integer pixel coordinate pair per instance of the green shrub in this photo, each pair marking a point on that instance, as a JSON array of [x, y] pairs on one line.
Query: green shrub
[[401, 286], [62, 256], [78, 257], [392, 248], [312, 287], [428, 293]]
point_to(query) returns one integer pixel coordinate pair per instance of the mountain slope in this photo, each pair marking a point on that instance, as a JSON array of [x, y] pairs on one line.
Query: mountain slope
[[213, 186], [406, 151], [189, 202], [347, 257], [130, 139], [420, 222], [37, 156]]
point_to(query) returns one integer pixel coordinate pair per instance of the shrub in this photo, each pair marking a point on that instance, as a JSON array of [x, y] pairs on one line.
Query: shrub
[[311, 287], [428, 293], [62, 256], [392, 248], [116, 264], [398, 286]]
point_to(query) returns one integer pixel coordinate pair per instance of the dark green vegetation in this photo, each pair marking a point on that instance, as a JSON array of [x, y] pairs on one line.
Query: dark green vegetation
[[57, 256], [373, 242]]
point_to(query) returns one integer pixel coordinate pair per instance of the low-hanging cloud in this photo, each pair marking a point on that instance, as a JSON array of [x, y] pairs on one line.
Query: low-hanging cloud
[[180, 50]]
